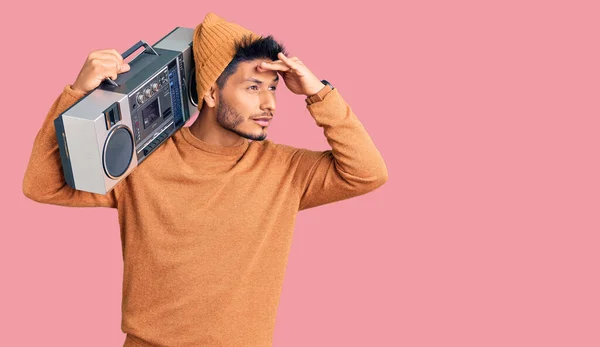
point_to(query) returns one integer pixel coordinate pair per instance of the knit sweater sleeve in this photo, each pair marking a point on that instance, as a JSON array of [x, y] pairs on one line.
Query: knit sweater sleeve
[[352, 167], [44, 180]]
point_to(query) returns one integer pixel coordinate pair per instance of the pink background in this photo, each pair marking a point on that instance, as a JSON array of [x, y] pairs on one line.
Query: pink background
[[486, 233]]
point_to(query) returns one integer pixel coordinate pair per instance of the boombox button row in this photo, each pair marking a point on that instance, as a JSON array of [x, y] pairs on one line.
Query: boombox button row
[[161, 137], [154, 143]]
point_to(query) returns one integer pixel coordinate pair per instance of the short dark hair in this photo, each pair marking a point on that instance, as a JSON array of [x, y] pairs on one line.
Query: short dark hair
[[248, 50]]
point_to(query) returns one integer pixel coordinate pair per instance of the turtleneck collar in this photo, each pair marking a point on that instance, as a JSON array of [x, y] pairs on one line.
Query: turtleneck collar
[[215, 149]]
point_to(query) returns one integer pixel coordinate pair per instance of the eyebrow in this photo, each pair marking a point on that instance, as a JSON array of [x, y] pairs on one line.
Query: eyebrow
[[259, 81]]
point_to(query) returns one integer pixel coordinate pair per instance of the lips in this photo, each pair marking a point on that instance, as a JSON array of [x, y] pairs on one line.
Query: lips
[[262, 121]]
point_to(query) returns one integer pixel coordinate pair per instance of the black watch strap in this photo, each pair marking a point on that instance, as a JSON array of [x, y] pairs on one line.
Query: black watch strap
[[325, 82]]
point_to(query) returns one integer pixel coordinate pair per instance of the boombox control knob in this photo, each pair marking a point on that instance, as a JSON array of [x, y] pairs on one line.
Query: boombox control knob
[[155, 86], [148, 92], [140, 98]]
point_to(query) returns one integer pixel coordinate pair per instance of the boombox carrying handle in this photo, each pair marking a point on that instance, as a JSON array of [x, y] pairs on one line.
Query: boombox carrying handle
[[128, 52], [135, 47]]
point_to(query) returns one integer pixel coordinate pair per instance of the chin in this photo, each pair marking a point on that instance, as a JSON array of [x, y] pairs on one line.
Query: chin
[[254, 136], [259, 137]]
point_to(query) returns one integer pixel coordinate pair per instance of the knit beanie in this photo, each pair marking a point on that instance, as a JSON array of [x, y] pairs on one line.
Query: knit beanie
[[214, 48]]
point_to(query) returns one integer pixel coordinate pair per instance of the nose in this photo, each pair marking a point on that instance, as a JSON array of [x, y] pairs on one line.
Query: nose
[[267, 101]]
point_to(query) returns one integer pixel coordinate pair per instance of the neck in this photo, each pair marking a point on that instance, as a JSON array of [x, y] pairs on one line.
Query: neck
[[206, 129]]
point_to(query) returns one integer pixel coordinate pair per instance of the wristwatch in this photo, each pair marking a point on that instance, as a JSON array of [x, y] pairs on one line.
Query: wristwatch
[[321, 94]]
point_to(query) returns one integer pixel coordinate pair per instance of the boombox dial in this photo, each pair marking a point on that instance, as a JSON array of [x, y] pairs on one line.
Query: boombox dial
[[148, 92], [155, 86]]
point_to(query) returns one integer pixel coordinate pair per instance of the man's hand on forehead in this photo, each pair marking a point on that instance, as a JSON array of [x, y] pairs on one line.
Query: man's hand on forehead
[[297, 77]]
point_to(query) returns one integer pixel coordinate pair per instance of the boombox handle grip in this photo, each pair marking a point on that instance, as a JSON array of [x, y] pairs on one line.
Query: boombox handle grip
[[128, 52]]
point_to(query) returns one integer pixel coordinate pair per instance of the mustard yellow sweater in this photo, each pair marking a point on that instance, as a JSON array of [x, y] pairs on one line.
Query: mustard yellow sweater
[[206, 230]]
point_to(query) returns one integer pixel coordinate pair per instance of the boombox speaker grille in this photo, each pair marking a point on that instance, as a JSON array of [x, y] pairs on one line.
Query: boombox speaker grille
[[118, 151]]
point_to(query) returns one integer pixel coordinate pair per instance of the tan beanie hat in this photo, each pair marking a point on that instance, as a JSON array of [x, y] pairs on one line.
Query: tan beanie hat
[[214, 48]]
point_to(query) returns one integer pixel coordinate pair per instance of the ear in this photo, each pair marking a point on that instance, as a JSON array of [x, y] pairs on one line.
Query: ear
[[210, 97]]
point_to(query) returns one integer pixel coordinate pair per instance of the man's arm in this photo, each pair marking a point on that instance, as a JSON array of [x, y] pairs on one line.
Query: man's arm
[[352, 167], [44, 181]]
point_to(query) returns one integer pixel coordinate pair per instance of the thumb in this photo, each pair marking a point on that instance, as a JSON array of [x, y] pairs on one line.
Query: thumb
[[125, 67]]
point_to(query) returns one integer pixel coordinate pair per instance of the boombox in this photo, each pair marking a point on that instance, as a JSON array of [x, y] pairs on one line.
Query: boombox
[[109, 132]]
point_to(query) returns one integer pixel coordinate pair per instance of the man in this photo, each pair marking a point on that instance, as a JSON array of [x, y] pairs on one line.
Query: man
[[207, 220]]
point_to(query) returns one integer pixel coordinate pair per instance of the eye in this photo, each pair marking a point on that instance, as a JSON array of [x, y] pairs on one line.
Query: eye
[[254, 87], [274, 88]]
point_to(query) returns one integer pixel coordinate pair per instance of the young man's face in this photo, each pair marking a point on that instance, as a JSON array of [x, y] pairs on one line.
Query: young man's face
[[247, 101]]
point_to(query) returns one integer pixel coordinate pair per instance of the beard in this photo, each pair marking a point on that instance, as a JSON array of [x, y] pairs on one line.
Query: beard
[[229, 118]]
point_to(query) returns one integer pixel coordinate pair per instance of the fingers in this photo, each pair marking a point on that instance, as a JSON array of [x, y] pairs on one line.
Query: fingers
[[104, 57], [108, 67], [121, 66], [293, 62], [276, 65], [116, 54], [297, 60], [104, 52], [110, 54], [283, 64]]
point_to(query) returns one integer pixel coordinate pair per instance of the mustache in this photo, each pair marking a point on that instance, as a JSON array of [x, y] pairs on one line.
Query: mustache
[[265, 114]]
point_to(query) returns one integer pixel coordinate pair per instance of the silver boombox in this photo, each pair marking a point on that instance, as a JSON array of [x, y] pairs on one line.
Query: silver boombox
[[113, 129]]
